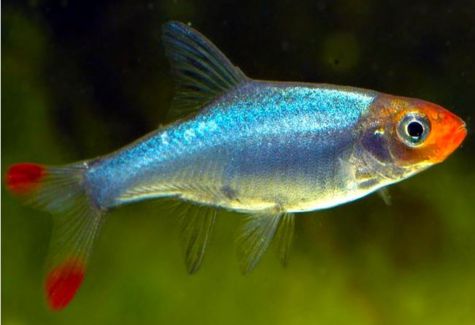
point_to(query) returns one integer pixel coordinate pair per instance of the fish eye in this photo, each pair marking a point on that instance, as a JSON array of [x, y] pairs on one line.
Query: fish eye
[[413, 129]]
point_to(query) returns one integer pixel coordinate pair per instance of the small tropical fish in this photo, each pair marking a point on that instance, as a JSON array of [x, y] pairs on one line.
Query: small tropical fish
[[267, 149]]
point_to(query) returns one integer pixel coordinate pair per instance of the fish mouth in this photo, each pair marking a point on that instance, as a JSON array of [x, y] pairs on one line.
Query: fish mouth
[[450, 141], [459, 135]]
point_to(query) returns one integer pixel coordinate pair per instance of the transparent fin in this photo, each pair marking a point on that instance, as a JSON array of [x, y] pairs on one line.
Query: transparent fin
[[256, 236], [61, 191], [71, 245], [284, 236], [201, 71], [385, 195], [197, 223]]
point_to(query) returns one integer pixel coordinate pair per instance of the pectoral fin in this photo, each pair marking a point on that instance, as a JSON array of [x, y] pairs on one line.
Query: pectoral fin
[[385, 195], [284, 236]]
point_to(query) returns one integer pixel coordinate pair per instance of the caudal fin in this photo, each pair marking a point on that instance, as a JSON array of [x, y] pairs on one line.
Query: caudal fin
[[62, 192]]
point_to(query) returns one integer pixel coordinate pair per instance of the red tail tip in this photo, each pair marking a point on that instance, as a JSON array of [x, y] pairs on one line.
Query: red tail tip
[[23, 178], [63, 282]]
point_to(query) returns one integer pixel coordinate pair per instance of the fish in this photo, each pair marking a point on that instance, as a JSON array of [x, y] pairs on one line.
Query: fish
[[266, 149]]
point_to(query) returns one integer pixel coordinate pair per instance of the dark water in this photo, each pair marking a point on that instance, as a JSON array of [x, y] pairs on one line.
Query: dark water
[[82, 78]]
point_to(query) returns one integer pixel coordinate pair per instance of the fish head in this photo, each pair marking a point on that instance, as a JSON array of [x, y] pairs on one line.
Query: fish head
[[410, 135]]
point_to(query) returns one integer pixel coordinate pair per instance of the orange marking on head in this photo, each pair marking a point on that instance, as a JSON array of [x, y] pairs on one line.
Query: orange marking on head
[[63, 282], [24, 177], [448, 132]]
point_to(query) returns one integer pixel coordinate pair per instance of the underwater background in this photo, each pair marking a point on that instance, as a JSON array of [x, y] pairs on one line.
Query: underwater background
[[83, 78]]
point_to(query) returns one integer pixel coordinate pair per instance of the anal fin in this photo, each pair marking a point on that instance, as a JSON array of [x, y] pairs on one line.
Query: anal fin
[[197, 223]]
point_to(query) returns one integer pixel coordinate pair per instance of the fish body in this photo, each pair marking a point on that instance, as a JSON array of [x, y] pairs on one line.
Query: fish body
[[268, 149], [262, 146]]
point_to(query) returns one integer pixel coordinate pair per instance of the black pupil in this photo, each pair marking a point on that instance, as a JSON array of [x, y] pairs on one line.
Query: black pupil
[[415, 130]]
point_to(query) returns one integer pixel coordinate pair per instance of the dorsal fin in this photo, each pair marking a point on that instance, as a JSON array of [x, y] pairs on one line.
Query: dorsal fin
[[201, 71]]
